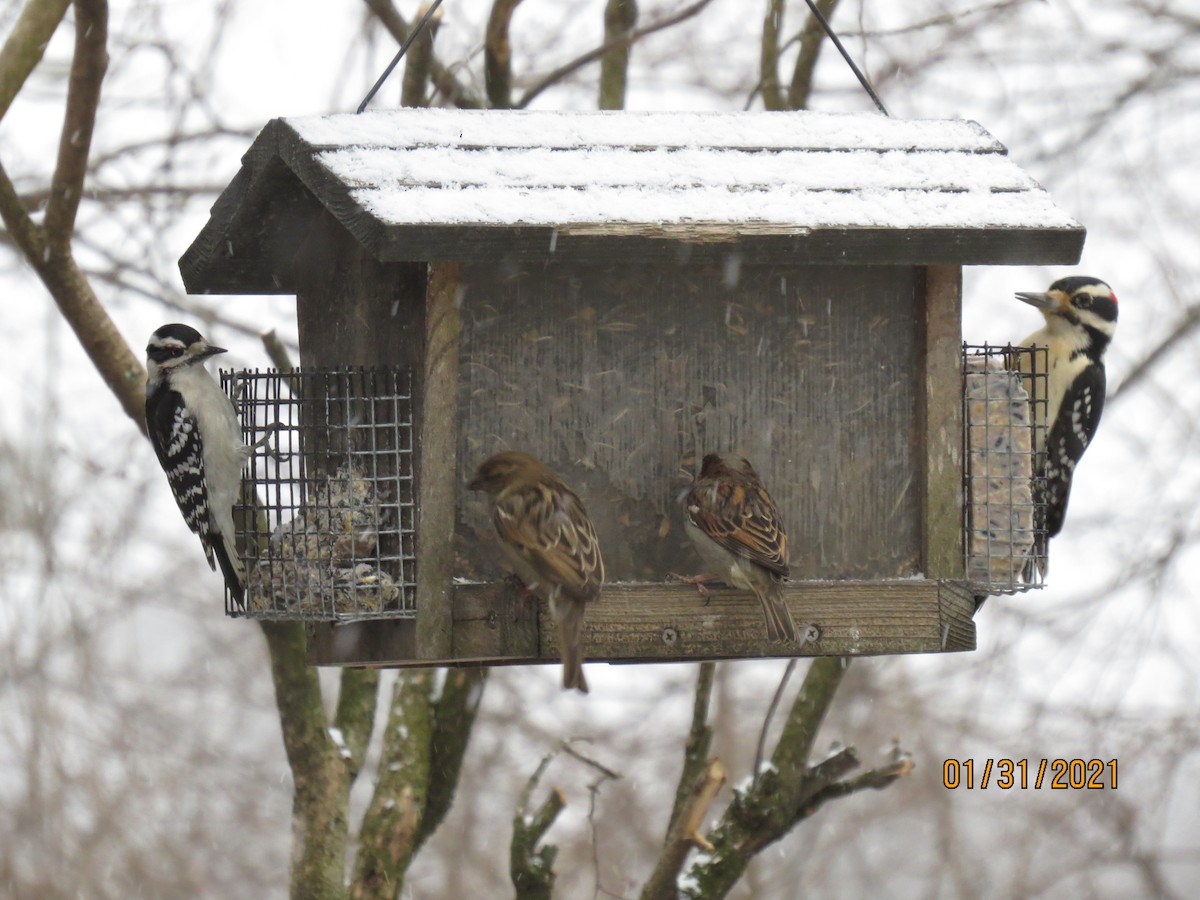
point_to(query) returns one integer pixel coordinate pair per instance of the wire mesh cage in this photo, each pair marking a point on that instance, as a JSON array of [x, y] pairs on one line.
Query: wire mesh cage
[[1004, 400], [326, 522]]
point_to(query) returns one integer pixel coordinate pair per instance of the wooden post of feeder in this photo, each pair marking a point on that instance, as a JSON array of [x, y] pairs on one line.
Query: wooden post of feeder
[[438, 484]]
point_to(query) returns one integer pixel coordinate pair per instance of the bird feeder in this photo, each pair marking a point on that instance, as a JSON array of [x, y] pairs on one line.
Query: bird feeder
[[618, 294]]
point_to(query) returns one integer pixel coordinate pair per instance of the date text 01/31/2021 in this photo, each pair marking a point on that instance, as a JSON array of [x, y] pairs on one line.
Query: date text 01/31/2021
[[1064, 774]]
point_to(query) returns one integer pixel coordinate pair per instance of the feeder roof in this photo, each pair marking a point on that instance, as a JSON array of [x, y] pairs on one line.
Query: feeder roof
[[423, 184]]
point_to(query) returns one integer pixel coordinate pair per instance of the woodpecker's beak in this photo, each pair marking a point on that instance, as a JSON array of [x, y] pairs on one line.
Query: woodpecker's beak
[[207, 350], [1044, 301]]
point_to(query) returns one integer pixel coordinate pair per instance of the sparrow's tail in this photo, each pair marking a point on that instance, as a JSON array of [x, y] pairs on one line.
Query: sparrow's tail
[[569, 614], [781, 627]]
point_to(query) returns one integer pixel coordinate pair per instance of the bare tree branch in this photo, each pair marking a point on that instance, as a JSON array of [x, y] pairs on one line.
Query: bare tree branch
[[321, 786], [48, 251], [68, 285], [619, 18], [497, 54], [684, 833], [695, 752], [356, 710], [812, 38], [592, 55], [769, 809], [443, 77], [26, 44], [393, 818], [83, 98], [418, 62], [530, 866], [768, 62], [1184, 328], [774, 704], [454, 718]]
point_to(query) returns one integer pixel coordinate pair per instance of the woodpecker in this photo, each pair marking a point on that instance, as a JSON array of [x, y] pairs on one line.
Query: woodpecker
[[1081, 317], [196, 435]]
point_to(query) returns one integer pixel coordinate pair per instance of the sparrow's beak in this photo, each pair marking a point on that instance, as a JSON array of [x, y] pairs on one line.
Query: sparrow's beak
[[1043, 301]]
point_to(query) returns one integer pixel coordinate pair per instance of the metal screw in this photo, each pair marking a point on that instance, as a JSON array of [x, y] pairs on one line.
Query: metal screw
[[670, 636], [812, 634]]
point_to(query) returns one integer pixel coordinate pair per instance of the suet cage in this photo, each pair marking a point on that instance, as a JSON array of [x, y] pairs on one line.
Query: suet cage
[[1004, 414], [327, 517], [619, 294]]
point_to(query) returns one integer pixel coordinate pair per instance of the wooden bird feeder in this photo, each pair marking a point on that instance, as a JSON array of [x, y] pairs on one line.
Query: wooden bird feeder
[[619, 293]]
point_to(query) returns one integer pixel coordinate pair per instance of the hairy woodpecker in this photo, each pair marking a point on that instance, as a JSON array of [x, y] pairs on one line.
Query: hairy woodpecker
[[197, 437], [1081, 317]]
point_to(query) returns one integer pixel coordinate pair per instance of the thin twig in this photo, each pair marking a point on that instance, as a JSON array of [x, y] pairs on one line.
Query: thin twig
[[602, 769], [591, 56], [762, 735], [1180, 331]]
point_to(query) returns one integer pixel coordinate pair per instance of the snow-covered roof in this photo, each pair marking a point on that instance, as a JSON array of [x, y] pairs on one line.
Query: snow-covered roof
[[419, 184]]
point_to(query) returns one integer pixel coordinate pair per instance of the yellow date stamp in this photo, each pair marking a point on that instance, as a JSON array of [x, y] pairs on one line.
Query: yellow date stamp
[[1006, 774]]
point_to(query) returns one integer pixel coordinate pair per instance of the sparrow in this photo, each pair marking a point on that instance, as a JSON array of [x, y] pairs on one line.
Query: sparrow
[[735, 528], [550, 542]]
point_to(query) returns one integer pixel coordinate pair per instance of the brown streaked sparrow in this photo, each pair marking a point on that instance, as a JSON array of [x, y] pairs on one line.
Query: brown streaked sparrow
[[548, 538], [735, 528]]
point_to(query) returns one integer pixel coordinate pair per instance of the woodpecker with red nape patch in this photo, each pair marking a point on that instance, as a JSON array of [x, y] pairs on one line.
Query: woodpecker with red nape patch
[[1081, 317]]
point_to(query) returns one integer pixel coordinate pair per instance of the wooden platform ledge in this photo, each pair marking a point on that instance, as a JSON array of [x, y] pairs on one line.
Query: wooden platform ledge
[[670, 622]]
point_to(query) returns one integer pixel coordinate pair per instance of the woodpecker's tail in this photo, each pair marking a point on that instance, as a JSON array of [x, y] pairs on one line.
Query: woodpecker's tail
[[781, 627], [231, 567], [1037, 561]]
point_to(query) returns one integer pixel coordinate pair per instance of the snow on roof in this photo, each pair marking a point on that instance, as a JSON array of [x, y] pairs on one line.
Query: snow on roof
[[794, 171], [571, 130], [414, 185]]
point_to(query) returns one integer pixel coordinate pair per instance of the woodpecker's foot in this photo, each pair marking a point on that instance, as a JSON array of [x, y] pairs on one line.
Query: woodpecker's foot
[[263, 443], [700, 581]]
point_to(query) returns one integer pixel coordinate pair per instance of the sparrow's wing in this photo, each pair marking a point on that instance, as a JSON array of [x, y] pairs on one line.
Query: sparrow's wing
[[547, 525], [740, 515]]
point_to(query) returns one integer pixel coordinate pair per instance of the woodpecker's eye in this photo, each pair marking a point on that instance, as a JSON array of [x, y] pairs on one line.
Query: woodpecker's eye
[[1083, 301]]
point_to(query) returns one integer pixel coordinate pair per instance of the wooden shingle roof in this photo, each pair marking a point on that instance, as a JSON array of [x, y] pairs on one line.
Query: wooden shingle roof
[[420, 184]]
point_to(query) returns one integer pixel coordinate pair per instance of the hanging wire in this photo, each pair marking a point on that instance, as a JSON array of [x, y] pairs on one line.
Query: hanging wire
[[862, 79], [412, 36]]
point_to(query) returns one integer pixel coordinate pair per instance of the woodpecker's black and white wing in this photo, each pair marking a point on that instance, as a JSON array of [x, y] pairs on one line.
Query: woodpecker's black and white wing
[[179, 445], [1070, 434]]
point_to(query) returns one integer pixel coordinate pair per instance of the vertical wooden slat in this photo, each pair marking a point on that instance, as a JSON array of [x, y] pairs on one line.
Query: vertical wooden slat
[[353, 310], [940, 422], [437, 428]]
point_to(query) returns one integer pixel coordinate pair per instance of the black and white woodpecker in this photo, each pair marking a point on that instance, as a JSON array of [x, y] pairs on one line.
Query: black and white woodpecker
[[1081, 317], [196, 435]]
